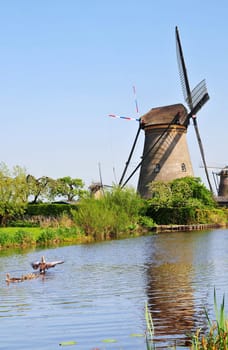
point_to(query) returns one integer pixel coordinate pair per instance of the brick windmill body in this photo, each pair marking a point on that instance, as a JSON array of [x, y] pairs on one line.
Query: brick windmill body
[[169, 159]]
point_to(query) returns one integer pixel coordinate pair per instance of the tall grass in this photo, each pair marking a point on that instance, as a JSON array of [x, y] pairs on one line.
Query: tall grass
[[149, 329], [217, 336], [112, 216]]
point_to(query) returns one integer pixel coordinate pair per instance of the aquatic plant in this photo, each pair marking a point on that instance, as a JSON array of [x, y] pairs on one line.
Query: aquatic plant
[[149, 330], [217, 336]]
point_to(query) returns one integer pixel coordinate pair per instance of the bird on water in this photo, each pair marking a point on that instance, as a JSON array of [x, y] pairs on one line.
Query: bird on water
[[45, 265]]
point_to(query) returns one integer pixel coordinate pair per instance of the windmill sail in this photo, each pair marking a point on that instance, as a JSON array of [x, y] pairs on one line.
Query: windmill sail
[[183, 71], [195, 99]]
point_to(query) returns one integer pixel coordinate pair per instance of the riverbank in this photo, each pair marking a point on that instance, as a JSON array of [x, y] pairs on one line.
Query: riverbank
[[183, 228], [28, 237]]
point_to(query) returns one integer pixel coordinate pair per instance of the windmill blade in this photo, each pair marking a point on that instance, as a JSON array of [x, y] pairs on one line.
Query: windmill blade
[[122, 117], [198, 93], [100, 175], [198, 106], [202, 152], [195, 99], [130, 155], [136, 137], [183, 72]]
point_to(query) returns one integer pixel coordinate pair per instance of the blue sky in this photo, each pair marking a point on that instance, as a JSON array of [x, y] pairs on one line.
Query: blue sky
[[65, 65]]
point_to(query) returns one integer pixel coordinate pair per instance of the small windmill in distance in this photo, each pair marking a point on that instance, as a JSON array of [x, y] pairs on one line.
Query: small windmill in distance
[[220, 179]]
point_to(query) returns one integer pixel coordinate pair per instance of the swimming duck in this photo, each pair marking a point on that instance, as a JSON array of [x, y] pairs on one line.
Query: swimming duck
[[44, 265], [29, 276], [13, 279]]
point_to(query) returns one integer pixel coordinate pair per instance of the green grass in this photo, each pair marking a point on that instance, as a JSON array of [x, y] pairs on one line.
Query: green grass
[[37, 236]]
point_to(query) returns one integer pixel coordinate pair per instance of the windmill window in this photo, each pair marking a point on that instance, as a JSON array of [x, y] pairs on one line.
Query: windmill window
[[157, 168], [183, 167]]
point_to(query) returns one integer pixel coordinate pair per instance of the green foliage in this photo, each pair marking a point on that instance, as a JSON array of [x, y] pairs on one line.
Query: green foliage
[[22, 237], [39, 189], [147, 222], [13, 193], [12, 236], [183, 201], [217, 336], [47, 236], [49, 209], [5, 239], [183, 192], [187, 216], [114, 214], [68, 188]]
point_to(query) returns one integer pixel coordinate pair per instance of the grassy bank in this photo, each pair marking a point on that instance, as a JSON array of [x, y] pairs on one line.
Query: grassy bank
[[37, 236]]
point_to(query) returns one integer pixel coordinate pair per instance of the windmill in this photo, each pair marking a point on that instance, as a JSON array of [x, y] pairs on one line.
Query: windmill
[[97, 189], [165, 154], [223, 183], [220, 180]]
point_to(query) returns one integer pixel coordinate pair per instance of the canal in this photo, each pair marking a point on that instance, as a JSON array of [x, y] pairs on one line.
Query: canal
[[97, 297]]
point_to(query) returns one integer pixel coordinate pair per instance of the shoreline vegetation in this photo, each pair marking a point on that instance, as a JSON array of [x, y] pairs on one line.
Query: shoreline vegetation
[[29, 237], [44, 211]]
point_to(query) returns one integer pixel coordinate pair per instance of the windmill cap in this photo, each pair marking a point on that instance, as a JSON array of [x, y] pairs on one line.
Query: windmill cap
[[165, 115]]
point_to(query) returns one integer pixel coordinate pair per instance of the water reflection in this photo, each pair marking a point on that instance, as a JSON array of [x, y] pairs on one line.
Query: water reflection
[[172, 278]]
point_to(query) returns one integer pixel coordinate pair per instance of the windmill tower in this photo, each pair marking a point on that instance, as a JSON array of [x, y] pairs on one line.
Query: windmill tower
[[223, 184], [165, 155], [221, 181]]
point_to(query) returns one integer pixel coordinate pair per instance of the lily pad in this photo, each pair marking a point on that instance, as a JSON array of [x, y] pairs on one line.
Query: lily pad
[[109, 341], [67, 343]]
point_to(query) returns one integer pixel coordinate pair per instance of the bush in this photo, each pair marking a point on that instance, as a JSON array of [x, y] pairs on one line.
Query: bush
[[187, 216], [22, 238], [49, 210], [46, 237], [115, 214]]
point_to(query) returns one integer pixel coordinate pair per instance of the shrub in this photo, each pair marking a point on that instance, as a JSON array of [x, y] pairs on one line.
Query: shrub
[[46, 237], [49, 210], [109, 217]]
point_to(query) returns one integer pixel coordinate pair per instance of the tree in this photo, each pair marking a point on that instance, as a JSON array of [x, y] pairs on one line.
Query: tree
[[192, 191], [39, 188], [183, 192], [161, 194], [13, 192], [69, 188]]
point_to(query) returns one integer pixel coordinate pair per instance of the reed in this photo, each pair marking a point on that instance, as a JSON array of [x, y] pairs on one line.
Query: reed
[[149, 330], [217, 336]]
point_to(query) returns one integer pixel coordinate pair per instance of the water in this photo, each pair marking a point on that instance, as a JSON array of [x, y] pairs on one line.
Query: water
[[99, 293]]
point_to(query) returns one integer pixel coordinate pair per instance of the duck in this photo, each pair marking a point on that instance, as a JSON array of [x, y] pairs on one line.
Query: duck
[[44, 265], [13, 279], [29, 276]]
